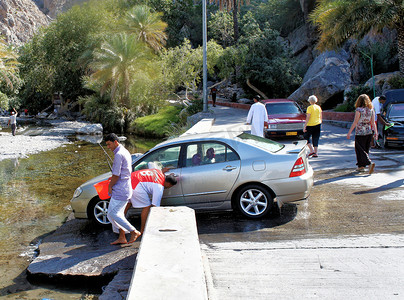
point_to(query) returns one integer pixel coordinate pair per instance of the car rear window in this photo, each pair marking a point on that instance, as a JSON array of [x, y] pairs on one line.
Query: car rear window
[[397, 110], [261, 142], [282, 108]]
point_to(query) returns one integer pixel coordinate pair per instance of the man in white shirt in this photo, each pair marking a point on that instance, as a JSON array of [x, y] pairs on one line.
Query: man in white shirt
[[257, 117], [378, 103], [13, 121]]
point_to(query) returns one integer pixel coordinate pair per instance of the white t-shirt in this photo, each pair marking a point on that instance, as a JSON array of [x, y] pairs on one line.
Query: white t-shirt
[[376, 105], [13, 119]]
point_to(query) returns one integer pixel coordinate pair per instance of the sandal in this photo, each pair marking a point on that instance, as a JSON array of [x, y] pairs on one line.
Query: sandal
[[361, 169]]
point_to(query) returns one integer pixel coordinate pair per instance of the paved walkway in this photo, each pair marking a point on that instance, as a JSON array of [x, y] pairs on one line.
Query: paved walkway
[[344, 267]]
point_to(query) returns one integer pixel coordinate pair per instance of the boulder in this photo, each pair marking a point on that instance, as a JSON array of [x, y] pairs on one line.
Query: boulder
[[92, 129], [327, 76], [381, 82]]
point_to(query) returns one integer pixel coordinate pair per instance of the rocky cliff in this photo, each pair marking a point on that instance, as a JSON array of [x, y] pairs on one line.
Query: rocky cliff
[[19, 20]]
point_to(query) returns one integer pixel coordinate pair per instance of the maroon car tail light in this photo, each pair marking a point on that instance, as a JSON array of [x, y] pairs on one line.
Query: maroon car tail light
[[298, 168]]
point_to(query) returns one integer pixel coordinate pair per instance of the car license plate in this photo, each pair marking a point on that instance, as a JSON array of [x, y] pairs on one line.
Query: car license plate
[[291, 133]]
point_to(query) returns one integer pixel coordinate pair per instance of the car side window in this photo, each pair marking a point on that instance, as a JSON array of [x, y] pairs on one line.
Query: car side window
[[159, 159], [208, 153]]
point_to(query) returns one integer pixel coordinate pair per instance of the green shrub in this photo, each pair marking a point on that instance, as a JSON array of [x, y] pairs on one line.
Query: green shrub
[[354, 93], [195, 107], [157, 125], [396, 82]]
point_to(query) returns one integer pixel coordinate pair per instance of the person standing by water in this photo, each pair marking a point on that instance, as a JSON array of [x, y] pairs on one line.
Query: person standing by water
[[312, 126], [120, 189], [363, 124], [257, 117], [13, 121]]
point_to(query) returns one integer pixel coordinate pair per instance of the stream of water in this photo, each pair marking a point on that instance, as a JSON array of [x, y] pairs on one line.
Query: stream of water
[[35, 195]]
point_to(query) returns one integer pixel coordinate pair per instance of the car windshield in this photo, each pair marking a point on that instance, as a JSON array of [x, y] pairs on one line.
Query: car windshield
[[261, 142], [397, 111], [282, 108]]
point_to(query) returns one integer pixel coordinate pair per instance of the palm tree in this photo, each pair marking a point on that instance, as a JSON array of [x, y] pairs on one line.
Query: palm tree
[[147, 26], [8, 64], [117, 62], [340, 20], [233, 5]]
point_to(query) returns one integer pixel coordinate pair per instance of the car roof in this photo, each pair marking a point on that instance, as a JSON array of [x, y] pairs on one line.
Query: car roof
[[219, 135], [394, 96], [277, 101]]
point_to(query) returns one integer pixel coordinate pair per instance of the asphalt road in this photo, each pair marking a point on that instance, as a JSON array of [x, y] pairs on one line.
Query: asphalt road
[[345, 242]]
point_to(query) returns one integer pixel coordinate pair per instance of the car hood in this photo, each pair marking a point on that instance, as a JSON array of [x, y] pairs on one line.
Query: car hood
[[97, 179], [286, 118]]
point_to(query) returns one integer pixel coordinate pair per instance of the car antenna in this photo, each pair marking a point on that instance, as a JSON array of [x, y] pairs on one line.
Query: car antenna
[[108, 157]]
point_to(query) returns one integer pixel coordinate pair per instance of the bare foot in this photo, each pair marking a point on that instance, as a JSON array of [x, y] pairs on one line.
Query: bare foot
[[119, 241], [133, 236]]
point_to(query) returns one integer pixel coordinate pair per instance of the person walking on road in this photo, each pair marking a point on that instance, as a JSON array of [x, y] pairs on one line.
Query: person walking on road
[[312, 126], [13, 121], [120, 190], [213, 92], [148, 183], [363, 124], [257, 117]]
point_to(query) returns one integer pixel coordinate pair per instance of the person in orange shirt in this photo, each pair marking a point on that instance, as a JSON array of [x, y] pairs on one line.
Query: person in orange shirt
[[312, 126]]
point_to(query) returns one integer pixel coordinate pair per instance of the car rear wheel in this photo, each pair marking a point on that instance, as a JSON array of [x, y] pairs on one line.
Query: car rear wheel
[[254, 201], [98, 210]]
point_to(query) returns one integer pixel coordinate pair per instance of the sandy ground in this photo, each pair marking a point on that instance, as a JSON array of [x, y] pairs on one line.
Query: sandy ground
[[29, 141]]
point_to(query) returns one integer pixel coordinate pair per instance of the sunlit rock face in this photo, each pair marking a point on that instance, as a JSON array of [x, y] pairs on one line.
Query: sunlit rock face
[[19, 20]]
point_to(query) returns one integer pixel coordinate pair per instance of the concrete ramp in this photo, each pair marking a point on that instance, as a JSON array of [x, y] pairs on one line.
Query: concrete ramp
[[169, 263]]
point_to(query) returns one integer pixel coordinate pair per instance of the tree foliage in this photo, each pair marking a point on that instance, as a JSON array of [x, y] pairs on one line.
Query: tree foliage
[[283, 15], [340, 20], [268, 65], [182, 65], [220, 28], [117, 62], [8, 65], [146, 25]]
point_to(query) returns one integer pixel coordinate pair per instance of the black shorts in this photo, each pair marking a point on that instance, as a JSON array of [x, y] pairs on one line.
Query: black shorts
[[314, 132]]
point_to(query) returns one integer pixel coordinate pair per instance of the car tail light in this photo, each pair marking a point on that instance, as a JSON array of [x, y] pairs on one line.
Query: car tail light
[[298, 168]]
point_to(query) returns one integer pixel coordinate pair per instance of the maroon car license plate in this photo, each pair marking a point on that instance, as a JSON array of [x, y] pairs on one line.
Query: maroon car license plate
[[291, 133]]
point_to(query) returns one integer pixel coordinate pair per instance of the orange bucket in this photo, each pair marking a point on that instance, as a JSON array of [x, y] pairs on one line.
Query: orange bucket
[[102, 189]]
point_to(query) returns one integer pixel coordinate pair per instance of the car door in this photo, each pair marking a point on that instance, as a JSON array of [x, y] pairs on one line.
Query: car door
[[167, 157], [210, 171]]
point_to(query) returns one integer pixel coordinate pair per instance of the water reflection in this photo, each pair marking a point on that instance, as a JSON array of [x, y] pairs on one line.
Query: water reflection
[[35, 193]]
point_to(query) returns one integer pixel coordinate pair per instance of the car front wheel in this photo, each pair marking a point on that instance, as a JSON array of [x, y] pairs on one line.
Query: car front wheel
[[98, 210], [254, 201]]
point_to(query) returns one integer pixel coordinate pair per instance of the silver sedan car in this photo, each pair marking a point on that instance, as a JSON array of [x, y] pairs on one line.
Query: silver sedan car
[[217, 171]]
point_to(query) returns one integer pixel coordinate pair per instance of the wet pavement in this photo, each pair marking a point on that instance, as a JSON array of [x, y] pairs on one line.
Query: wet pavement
[[346, 210], [345, 241]]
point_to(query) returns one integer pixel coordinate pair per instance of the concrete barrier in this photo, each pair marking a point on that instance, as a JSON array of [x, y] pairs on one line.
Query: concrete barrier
[[203, 125], [169, 263]]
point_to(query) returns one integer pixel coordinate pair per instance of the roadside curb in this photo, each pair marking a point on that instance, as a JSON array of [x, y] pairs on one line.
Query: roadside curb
[[169, 262]]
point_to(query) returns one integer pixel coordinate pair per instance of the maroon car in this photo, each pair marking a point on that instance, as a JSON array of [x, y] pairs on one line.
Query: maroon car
[[286, 118]]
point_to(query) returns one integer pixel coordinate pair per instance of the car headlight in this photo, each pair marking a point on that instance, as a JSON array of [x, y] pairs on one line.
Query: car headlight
[[77, 192], [272, 126]]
